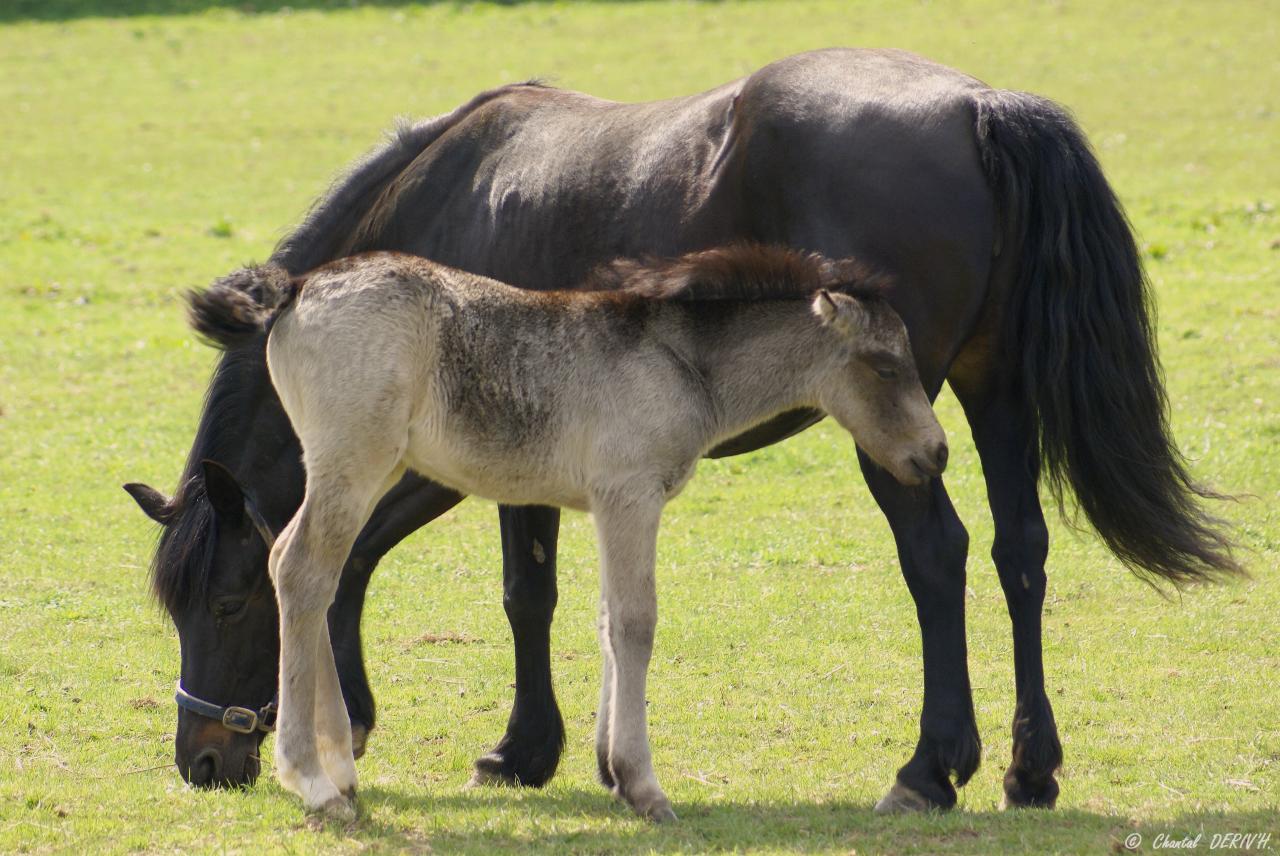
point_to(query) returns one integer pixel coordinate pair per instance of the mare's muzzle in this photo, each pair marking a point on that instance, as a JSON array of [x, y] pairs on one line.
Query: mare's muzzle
[[217, 745]]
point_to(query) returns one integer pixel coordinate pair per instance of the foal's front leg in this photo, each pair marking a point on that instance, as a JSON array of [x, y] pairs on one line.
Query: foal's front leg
[[305, 564], [313, 740], [627, 529]]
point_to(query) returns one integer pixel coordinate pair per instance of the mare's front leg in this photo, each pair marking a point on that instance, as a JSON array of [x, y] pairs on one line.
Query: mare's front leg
[[932, 548], [411, 504], [627, 529], [529, 752], [1010, 465]]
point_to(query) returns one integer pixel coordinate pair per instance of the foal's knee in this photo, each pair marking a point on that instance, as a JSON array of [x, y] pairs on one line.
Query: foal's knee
[[632, 627], [303, 572]]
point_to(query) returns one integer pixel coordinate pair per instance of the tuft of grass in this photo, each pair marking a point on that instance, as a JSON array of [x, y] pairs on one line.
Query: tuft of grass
[[222, 228], [785, 688]]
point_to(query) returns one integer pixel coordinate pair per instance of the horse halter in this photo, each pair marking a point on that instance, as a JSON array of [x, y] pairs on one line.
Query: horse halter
[[241, 720]]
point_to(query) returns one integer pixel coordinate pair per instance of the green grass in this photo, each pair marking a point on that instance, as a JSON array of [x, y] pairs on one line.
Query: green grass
[[145, 154]]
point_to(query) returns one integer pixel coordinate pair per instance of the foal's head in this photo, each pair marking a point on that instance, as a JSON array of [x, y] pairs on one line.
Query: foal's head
[[870, 387], [873, 390]]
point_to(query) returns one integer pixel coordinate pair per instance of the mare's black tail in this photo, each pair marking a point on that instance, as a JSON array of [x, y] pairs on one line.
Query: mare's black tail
[[1081, 326]]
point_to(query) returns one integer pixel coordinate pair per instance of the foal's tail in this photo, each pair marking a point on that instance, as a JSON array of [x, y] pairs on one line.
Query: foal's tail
[[242, 306], [1081, 321]]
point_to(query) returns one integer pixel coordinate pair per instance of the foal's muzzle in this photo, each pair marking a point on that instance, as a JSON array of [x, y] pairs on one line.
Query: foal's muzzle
[[931, 463]]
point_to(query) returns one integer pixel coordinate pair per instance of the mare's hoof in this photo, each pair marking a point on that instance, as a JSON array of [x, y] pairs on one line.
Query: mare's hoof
[[903, 800], [359, 740], [1018, 795], [489, 772]]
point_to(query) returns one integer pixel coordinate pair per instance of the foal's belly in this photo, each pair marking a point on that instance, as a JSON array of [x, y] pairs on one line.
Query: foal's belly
[[526, 478]]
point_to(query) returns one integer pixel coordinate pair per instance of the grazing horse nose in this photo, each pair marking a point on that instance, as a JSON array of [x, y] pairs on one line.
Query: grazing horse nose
[[206, 769], [940, 457]]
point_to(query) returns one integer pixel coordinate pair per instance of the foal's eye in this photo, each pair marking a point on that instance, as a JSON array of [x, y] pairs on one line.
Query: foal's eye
[[227, 607], [886, 374]]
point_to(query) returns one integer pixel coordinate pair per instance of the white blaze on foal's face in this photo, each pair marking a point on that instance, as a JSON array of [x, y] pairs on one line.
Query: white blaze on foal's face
[[875, 392]]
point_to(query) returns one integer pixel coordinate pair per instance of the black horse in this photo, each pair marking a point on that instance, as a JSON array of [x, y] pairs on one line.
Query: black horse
[[1018, 279]]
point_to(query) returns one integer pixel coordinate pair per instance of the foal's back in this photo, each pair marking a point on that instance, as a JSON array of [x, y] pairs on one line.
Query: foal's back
[[508, 394]]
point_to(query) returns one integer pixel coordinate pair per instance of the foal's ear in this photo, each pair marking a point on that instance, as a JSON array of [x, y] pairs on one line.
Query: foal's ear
[[838, 311], [224, 491], [153, 503]]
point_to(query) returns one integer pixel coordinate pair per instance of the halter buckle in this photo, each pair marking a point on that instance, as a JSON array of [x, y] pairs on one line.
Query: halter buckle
[[240, 719]]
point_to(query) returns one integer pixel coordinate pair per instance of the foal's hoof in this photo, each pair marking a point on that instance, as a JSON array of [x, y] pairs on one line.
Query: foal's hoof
[[903, 800], [336, 810], [660, 813], [656, 810], [654, 807]]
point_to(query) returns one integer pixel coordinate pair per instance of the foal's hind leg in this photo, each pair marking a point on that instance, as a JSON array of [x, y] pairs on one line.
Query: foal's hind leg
[[1021, 545], [604, 711], [627, 531]]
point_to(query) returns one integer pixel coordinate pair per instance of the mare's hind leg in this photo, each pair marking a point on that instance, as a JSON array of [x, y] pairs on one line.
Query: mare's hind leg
[[411, 504], [312, 734], [1009, 464], [932, 548], [627, 531]]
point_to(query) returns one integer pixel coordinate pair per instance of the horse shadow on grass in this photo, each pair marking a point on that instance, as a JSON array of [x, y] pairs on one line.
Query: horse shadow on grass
[[566, 820], [67, 10]]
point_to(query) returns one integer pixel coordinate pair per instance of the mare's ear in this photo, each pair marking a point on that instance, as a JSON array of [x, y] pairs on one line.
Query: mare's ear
[[839, 311], [224, 492], [153, 503]]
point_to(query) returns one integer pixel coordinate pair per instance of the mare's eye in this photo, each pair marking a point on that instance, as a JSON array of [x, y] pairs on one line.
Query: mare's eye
[[227, 607], [886, 374]]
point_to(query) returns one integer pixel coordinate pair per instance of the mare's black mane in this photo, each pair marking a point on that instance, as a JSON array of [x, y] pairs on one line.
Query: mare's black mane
[[180, 569]]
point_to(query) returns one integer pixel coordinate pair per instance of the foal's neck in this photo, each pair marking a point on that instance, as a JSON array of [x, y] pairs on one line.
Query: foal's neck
[[759, 358]]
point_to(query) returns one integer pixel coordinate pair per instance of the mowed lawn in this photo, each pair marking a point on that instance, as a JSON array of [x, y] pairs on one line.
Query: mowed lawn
[[141, 155]]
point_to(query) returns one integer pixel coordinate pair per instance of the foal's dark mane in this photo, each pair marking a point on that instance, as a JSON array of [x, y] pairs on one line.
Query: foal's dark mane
[[738, 272]]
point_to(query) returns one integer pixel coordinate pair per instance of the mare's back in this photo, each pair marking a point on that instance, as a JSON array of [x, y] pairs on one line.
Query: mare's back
[[538, 185]]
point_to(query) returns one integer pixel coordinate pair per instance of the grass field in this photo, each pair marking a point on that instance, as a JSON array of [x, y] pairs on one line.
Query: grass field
[[143, 154]]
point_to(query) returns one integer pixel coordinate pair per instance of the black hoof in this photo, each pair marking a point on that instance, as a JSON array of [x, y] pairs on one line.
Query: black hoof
[[1024, 791], [359, 739], [527, 763]]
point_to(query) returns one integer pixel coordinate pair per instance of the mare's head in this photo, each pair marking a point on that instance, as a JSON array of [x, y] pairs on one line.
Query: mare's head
[[209, 570], [872, 387]]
